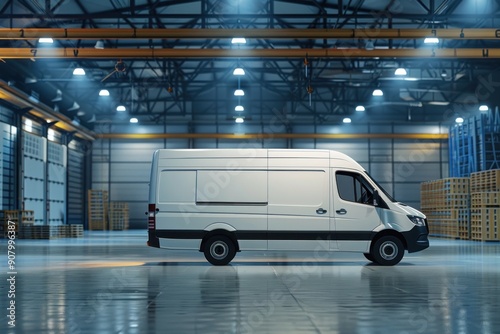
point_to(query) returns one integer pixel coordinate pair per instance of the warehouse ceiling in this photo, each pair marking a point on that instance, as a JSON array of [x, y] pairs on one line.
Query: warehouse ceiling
[[172, 62]]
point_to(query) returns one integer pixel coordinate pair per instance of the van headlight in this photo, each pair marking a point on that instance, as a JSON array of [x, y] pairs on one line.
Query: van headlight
[[417, 220]]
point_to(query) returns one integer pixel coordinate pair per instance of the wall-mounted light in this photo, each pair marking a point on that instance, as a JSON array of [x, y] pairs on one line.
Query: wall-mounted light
[[239, 108], [377, 92], [134, 120], [346, 120], [238, 71], [78, 71], [238, 40], [121, 108], [51, 135], [239, 92], [104, 92], [239, 120], [360, 108], [28, 125]]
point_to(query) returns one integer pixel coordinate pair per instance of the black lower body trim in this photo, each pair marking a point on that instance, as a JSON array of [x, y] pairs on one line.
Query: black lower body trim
[[416, 239], [273, 235]]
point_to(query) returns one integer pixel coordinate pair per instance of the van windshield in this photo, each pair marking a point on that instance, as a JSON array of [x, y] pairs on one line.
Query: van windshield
[[381, 188]]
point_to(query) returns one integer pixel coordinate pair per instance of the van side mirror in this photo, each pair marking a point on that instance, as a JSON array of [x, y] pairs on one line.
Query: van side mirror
[[376, 198]]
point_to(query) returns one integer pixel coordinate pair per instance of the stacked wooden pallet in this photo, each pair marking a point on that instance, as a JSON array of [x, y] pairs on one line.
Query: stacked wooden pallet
[[485, 205], [446, 204], [118, 216], [18, 218], [71, 231], [97, 209], [39, 232]]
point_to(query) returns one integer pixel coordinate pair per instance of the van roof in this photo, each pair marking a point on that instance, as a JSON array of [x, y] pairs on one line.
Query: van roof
[[249, 153]]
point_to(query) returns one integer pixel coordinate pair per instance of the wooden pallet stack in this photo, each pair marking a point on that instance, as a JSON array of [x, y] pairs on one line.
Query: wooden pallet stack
[[118, 215], [485, 205], [21, 218], [446, 203], [97, 209]]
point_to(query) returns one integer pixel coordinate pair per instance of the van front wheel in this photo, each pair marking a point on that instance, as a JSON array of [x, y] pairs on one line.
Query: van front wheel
[[219, 250], [388, 250]]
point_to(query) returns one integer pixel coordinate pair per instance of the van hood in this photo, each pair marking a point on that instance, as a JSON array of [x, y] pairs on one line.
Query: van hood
[[408, 210]]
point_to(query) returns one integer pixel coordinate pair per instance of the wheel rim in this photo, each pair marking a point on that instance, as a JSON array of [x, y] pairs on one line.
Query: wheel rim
[[389, 250], [219, 250]]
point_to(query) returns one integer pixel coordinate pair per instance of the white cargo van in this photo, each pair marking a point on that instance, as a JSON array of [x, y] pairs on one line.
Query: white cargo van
[[222, 201]]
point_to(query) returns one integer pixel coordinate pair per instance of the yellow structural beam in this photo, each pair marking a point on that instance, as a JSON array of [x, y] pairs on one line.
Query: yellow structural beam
[[38, 53], [259, 136], [368, 33]]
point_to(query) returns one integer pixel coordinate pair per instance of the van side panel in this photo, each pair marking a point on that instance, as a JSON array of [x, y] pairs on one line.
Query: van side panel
[[295, 196]]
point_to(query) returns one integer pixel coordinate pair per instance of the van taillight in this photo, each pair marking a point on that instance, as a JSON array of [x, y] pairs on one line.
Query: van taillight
[[152, 217]]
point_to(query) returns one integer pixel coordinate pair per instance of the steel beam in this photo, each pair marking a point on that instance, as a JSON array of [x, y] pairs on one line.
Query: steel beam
[[372, 33], [259, 136], [67, 53]]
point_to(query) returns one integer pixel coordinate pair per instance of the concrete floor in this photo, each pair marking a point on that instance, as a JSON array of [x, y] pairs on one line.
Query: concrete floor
[[111, 282]]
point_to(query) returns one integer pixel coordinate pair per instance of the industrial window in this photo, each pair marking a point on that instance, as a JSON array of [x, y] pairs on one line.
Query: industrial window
[[353, 187]]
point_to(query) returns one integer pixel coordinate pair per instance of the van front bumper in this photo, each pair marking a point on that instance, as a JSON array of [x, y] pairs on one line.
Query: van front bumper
[[416, 239]]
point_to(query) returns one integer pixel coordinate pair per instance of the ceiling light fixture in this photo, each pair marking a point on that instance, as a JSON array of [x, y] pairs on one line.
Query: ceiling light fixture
[[347, 120], [239, 120], [239, 108], [99, 45], [104, 92], [369, 46], [238, 71], [238, 40], [444, 74], [121, 108], [431, 40], [46, 40], [378, 92], [134, 120], [78, 71], [459, 120], [400, 71], [483, 108], [239, 92], [360, 108]]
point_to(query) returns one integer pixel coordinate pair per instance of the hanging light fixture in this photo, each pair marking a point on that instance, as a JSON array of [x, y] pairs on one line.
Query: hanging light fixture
[[104, 92], [239, 92], [360, 108], [134, 120], [400, 71], [121, 108], [239, 120], [45, 40], [239, 108], [377, 92], [347, 120], [78, 71], [238, 71], [238, 40]]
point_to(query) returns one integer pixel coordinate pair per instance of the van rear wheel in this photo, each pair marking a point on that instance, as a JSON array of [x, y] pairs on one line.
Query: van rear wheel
[[388, 250], [219, 250]]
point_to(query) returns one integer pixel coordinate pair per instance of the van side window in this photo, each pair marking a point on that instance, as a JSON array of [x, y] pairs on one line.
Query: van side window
[[354, 188]]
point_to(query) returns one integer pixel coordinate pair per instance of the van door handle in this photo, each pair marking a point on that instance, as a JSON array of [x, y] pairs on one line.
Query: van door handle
[[341, 211], [320, 211]]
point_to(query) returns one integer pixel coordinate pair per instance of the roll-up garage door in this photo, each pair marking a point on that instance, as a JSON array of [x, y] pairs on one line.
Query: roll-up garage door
[[76, 184], [7, 170], [34, 158], [56, 177]]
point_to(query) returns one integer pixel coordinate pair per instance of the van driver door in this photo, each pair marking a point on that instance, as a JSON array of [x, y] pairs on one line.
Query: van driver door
[[354, 213]]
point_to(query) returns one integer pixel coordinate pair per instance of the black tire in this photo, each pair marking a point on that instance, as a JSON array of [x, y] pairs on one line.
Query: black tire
[[219, 250], [388, 251], [369, 257]]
